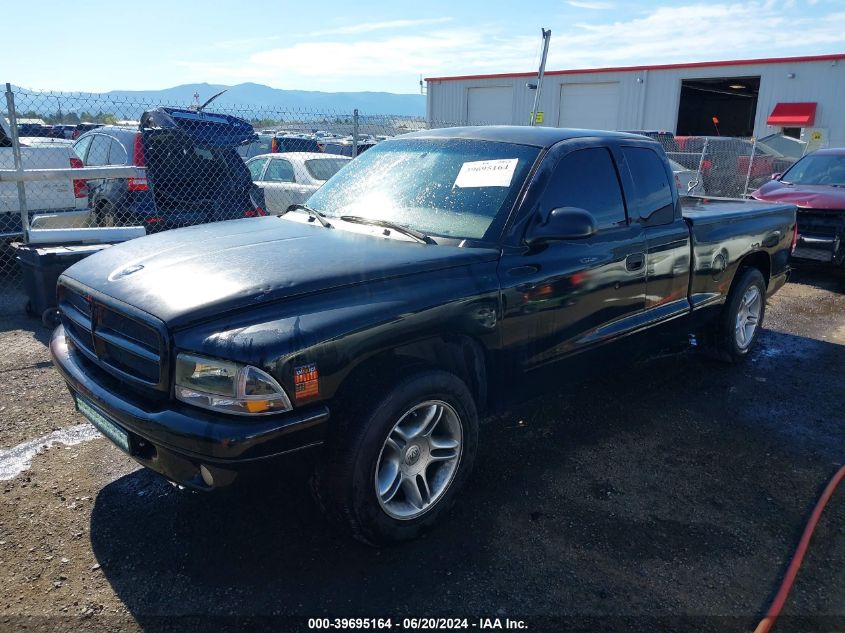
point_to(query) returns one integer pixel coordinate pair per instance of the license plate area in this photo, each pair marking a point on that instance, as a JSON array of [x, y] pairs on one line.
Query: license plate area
[[105, 425]]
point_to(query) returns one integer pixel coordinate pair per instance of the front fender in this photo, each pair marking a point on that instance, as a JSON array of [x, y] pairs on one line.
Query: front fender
[[332, 333]]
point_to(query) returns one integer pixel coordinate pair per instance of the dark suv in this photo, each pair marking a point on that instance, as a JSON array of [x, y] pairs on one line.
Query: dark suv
[[192, 174]]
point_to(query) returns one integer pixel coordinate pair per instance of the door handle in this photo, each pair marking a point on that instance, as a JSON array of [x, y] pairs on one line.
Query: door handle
[[635, 261]]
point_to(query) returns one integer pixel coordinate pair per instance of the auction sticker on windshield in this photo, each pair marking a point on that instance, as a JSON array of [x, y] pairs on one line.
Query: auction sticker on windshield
[[487, 173]]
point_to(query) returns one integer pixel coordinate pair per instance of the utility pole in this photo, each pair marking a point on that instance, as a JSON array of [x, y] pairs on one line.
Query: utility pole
[[547, 36]]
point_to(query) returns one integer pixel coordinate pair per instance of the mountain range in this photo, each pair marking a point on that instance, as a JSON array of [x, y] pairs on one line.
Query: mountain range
[[246, 97]]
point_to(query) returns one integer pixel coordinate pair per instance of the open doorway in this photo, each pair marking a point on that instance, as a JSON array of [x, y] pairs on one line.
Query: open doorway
[[723, 106]]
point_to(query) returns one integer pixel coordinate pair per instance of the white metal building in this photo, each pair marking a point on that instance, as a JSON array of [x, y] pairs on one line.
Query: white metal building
[[797, 95]]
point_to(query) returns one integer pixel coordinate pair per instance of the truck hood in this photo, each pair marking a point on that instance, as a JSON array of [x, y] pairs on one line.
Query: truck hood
[[190, 274], [806, 196]]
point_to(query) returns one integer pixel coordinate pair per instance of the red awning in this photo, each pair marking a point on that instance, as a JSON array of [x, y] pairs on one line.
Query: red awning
[[793, 115]]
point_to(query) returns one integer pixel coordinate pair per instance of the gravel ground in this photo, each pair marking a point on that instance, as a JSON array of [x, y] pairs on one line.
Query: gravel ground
[[669, 496]]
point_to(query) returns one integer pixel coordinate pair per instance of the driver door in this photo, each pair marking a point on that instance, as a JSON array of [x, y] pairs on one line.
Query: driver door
[[565, 296]]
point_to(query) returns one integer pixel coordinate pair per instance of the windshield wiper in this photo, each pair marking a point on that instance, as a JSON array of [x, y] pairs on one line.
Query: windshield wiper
[[312, 212], [417, 235]]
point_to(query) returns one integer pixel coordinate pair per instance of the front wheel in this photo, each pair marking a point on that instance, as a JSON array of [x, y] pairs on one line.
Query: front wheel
[[742, 318], [390, 473]]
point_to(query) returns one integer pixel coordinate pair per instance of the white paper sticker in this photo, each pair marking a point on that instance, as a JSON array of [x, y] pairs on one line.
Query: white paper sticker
[[487, 173]]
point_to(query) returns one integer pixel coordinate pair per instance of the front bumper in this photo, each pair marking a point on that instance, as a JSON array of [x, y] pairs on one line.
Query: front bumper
[[176, 440], [821, 236]]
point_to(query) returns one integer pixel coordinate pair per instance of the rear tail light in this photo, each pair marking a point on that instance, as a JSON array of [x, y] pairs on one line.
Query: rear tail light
[[274, 146], [80, 187], [138, 152], [258, 212], [153, 220], [706, 164], [138, 184], [677, 182], [794, 239]]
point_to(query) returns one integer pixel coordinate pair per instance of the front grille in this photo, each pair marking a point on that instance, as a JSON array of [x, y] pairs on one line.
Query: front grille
[[827, 223], [125, 343]]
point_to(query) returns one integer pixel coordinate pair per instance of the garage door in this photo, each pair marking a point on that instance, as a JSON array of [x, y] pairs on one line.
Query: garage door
[[490, 106], [592, 106]]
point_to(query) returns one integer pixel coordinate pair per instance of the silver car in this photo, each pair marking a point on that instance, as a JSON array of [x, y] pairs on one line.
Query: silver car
[[291, 177]]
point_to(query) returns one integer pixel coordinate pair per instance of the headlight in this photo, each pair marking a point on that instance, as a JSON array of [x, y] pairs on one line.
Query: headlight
[[226, 386]]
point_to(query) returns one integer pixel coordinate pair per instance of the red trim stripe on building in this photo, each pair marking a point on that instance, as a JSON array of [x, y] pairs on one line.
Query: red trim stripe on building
[[578, 71]]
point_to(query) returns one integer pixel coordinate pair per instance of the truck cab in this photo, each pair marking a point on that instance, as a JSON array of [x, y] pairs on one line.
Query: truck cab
[[421, 283]]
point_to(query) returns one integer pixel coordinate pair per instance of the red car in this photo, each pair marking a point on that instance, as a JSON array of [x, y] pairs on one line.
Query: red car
[[816, 185]]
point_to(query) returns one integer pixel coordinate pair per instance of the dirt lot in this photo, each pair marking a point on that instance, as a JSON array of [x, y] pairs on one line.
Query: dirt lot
[[668, 496]]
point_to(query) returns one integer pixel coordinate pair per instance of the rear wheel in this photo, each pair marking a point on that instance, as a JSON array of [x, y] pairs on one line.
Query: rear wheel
[[389, 473], [742, 317], [106, 216]]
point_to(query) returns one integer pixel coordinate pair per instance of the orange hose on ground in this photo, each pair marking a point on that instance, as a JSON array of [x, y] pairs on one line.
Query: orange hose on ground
[[795, 564]]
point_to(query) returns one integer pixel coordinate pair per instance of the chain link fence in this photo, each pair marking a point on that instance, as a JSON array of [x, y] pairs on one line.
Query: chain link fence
[[720, 166], [230, 161]]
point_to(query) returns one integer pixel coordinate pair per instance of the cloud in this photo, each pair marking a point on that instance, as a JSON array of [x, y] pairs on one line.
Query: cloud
[[667, 34], [368, 27], [596, 6], [698, 32]]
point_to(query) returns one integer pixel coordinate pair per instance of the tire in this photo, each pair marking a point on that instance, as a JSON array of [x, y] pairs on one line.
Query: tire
[[50, 318], [106, 216], [748, 288], [362, 451]]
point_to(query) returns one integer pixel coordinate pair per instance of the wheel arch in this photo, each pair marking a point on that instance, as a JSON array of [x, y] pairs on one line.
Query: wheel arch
[[459, 354], [760, 260]]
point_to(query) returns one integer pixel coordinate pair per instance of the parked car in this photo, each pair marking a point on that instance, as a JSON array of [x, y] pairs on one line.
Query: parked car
[[816, 184], [192, 173], [726, 163], [293, 143], [34, 130], [686, 180], [262, 145], [375, 325], [787, 146], [666, 139], [81, 128], [63, 201], [345, 147], [291, 177], [64, 130]]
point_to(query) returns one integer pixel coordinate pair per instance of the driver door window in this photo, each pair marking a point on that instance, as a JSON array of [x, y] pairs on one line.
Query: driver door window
[[587, 179]]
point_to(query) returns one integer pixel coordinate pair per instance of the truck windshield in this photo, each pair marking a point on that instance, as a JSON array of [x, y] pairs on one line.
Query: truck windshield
[[458, 188], [817, 169]]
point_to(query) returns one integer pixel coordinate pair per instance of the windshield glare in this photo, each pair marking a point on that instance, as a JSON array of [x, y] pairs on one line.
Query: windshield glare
[[456, 188], [817, 169]]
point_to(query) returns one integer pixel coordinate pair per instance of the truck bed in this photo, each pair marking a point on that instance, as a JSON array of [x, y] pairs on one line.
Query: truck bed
[[700, 210], [723, 231]]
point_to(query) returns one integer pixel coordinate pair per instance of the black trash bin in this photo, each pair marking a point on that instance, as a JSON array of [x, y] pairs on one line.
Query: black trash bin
[[41, 265]]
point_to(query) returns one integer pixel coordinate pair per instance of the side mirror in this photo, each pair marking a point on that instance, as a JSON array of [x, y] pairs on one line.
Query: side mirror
[[563, 223], [776, 176]]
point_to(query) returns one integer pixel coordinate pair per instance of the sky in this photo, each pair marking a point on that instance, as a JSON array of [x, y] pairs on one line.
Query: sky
[[103, 45]]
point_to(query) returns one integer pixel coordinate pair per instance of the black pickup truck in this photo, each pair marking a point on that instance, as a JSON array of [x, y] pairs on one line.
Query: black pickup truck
[[424, 282]]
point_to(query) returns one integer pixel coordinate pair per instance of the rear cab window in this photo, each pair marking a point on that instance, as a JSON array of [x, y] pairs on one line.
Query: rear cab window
[[587, 179], [647, 188]]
